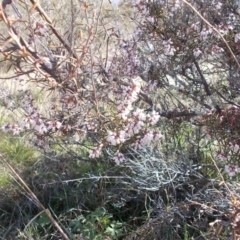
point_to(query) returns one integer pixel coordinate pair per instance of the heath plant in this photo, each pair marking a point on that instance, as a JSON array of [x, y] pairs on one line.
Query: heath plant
[[179, 66]]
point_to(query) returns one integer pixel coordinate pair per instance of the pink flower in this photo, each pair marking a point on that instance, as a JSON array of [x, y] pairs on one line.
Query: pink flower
[[153, 117], [140, 115], [218, 6], [118, 158], [197, 52], [234, 147], [40, 127], [124, 109], [96, 152], [14, 128], [147, 138], [137, 126], [176, 5], [169, 50], [54, 125], [221, 155], [237, 37], [232, 169], [116, 138]]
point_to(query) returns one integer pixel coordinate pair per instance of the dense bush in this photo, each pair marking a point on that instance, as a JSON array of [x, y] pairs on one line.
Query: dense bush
[[150, 113]]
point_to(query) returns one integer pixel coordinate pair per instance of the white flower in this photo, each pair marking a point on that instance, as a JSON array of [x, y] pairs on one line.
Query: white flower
[[205, 32]]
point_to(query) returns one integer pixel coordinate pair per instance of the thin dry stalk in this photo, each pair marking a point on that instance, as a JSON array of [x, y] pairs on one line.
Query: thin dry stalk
[[34, 197]]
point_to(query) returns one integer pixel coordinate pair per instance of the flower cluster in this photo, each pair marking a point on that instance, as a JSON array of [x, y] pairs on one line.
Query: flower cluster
[[14, 128], [129, 95], [222, 156], [234, 147], [169, 49], [32, 119], [134, 129], [146, 139], [232, 169], [118, 158], [96, 152]]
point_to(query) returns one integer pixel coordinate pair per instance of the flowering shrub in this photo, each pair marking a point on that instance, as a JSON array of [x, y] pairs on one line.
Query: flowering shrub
[[170, 67], [159, 101]]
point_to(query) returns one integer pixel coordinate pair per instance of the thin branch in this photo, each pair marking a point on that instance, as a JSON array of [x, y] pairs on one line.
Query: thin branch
[[215, 29]]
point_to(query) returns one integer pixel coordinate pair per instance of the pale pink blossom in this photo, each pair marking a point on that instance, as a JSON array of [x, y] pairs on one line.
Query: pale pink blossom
[[118, 158], [116, 138], [124, 110], [140, 115], [231, 169], [169, 50], [90, 125], [237, 37], [153, 117], [54, 125], [176, 5], [234, 147], [206, 32], [195, 26], [218, 5], [137, 144], [137, 126], [96, 152], [14, 128], [221, 155], [40, 28], [40, 127], [147, 138], [40, 140], [197, 52], [26, 122]]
